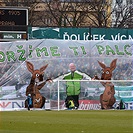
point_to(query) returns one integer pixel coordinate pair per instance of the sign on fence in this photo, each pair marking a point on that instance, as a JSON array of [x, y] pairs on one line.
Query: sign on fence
[[80, 33]]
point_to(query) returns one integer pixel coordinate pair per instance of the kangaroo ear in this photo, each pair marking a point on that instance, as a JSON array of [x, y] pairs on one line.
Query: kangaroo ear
[[30, 66], [43, 68], [102, 65], [113, 64]]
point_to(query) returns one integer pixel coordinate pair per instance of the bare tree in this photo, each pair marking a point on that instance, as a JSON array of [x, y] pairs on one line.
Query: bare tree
[[80, 13], [63, 13], [17, 3], [92, 13], [76, 13], [107, 14], [100, 13], [123, 16]]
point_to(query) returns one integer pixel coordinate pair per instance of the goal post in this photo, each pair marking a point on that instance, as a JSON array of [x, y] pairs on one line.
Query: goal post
[[92, 89]]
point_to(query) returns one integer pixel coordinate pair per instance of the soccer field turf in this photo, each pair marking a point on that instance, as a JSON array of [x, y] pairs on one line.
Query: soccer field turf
[[67, 121]]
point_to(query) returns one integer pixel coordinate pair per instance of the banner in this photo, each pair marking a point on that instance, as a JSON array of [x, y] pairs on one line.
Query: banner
[[58, 54], [80, 33]]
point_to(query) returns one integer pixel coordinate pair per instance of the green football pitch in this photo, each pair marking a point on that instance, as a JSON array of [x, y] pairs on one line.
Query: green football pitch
[[67, 121]]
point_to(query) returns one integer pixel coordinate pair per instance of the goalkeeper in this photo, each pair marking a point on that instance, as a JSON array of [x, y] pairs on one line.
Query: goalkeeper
[[73, 87]]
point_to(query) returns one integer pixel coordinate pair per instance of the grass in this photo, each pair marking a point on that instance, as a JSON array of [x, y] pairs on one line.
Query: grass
[[67, 121]]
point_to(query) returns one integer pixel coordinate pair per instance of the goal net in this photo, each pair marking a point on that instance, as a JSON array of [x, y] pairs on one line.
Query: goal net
[[89, 97]]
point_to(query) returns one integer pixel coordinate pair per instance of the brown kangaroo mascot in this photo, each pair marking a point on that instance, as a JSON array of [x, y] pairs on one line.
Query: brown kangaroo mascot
[[33, 88], [107, 99]]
